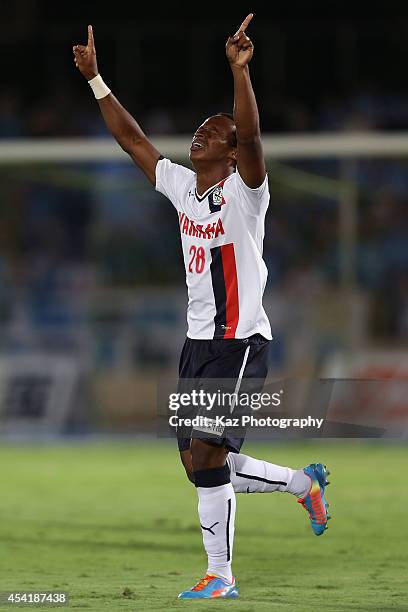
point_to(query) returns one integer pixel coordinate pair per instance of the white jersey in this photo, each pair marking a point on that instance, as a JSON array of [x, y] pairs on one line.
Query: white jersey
[[222, 235]]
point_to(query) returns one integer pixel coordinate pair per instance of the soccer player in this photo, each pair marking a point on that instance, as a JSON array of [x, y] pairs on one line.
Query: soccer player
[[221, 207]]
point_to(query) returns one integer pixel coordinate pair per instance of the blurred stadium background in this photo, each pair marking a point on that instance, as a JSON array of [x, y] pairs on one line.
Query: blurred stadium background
[[92, 295]]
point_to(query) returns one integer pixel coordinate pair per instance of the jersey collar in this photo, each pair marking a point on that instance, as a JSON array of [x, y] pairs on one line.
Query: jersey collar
[[210, 189]]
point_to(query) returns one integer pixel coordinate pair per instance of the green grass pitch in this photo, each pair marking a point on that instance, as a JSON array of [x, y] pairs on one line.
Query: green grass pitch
[[115, 525]]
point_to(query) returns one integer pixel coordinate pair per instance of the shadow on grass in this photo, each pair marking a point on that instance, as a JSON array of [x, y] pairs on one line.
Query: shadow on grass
[[130, 545], [160, 525]]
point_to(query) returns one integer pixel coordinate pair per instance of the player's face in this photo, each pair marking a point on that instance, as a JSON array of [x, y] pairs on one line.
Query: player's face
[[213, 140]]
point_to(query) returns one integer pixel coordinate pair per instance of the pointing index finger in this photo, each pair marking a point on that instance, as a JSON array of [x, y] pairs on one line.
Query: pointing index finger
[[244, 24], [90, 37]]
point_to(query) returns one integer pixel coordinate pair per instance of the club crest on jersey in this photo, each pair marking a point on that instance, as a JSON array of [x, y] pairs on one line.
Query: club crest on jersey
[[216, 199]]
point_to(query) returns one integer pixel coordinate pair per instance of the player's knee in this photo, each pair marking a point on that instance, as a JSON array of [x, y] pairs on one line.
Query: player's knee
[[205, 456]]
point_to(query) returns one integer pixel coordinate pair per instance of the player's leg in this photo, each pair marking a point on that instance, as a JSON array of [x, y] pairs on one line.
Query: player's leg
[[216, 505], [216, 509], [212, 481], [249, 475]]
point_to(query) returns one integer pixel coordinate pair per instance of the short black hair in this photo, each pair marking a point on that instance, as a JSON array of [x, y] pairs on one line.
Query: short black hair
[[234, 134]]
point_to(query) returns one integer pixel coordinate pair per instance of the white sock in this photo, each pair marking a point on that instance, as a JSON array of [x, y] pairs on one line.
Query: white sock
[[249, 475], [216, 509]]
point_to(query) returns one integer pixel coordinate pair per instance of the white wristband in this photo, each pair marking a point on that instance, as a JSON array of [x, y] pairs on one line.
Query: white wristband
[[100, 89]]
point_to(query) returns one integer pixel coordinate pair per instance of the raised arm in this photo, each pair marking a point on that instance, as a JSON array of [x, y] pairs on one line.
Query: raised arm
[[250, 159], [121, 124]]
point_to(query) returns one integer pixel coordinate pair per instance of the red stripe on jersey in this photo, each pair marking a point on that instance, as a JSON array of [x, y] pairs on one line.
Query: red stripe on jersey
[[231, 290], [222, 185]]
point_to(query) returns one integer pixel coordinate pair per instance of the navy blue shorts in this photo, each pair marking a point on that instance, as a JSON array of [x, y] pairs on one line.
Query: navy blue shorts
[[231, 359]]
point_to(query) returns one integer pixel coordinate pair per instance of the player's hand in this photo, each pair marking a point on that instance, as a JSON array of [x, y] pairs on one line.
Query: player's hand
[[85, 57], [239, 48]]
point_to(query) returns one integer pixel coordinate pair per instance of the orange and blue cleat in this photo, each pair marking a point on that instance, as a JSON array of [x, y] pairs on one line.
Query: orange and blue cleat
[[314, 502], [211, 587]]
